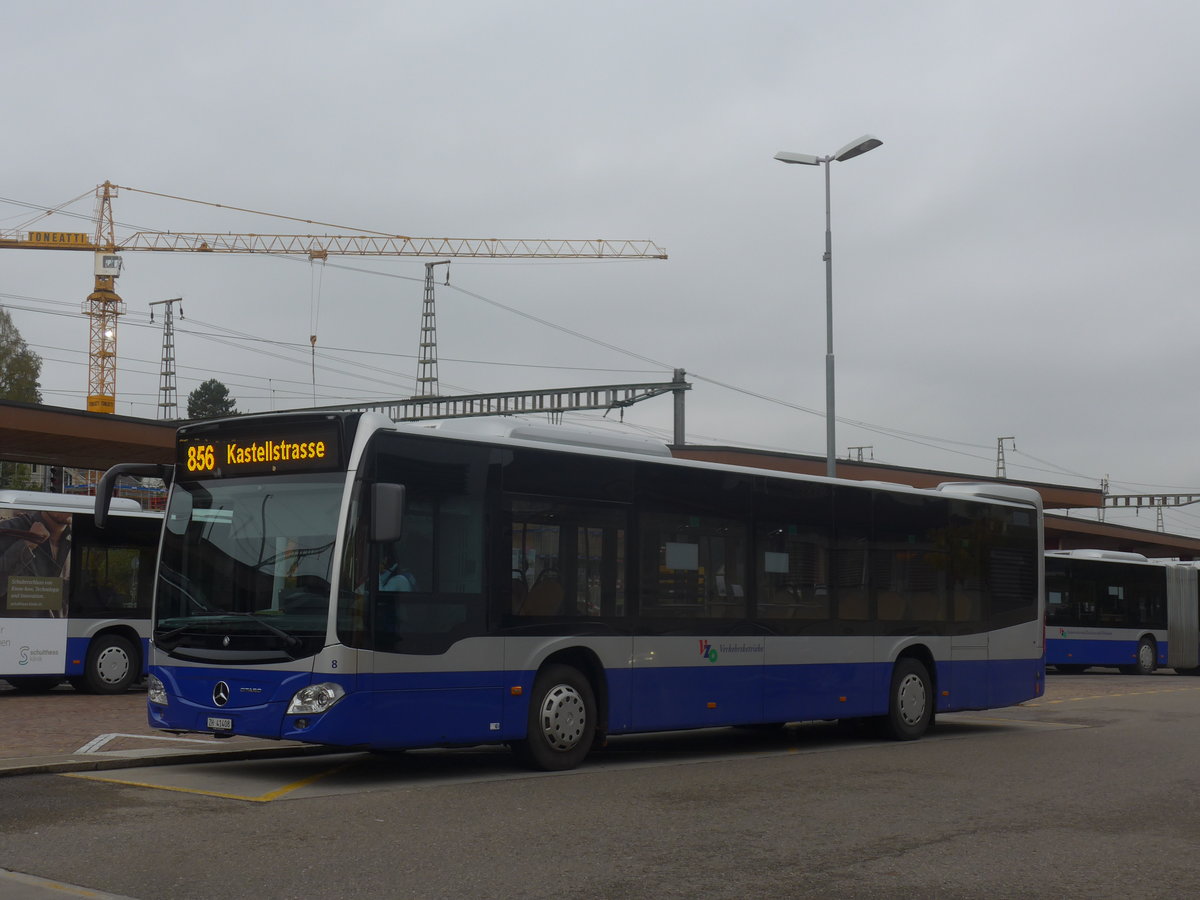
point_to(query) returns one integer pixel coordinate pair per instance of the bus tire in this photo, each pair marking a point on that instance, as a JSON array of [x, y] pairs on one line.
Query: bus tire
[[1147, 659], [562, 720], [34, 684], [910, 701], [111, 666]]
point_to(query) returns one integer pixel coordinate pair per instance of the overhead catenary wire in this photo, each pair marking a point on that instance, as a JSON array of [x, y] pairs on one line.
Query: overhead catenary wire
[[898, 434], [940, 443]]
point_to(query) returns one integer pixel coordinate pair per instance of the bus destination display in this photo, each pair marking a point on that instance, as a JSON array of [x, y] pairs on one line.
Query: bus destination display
[[311, 448]]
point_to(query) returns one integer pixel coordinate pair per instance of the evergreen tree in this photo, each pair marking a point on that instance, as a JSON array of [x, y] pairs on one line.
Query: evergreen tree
[[20, 367], [210, 401]]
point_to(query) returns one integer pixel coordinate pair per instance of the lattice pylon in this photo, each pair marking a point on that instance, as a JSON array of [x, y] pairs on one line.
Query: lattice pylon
[[168, 398], [427, 367]]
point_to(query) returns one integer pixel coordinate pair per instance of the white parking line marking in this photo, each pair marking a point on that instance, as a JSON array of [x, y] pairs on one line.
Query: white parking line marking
[[97, 743]]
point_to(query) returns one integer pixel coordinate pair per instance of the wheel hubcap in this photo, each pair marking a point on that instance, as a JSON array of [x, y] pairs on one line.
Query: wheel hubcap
[[564, 717], [912, 699], [112, 665], [1147, 654]]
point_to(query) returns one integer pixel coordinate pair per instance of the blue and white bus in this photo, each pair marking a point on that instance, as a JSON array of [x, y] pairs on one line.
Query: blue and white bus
[[557, 590], [1114, 609], [74, 600]]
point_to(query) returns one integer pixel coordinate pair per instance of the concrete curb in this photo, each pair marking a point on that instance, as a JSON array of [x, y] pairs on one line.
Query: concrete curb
[[98, 762]]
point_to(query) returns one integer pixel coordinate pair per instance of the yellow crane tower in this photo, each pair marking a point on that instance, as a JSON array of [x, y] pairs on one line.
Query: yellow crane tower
[[103, 306]]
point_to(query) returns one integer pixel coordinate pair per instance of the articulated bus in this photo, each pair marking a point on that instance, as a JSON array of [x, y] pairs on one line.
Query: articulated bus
[[340, 579], [1116, 609], [74, 600]]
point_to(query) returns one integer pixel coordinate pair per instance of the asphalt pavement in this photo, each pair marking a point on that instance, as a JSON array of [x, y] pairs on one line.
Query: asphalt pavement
[[66, 731]]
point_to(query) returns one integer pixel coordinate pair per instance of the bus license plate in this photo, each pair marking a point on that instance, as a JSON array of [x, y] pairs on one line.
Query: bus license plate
[[216, 724]]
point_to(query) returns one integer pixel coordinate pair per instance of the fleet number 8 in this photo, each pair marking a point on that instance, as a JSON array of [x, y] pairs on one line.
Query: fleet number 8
[[201, 458]]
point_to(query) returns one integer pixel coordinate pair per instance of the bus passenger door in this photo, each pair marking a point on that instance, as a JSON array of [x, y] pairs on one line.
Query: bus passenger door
[[436, 678], [969, 650], [705, 664]]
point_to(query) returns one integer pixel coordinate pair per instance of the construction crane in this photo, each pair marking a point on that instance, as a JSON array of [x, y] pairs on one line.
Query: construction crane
[[103, 306]]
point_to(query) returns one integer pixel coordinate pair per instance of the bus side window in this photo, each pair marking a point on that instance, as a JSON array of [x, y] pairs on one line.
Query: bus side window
[[693, 566], [567, 559], [793, 573]]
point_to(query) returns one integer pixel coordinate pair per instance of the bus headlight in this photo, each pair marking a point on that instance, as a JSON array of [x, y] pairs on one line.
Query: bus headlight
[[156, 691], [316, 698]]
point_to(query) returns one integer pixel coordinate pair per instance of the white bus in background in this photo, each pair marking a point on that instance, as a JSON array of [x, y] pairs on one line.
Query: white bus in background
[[1121, 610], [74, 600]]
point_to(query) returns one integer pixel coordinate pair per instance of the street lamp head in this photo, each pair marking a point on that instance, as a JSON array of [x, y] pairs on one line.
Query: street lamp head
[[802, 158], [857, 148]]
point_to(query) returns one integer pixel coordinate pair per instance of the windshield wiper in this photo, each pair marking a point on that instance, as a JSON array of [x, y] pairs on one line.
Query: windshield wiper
[[161, 640], [290, 641]]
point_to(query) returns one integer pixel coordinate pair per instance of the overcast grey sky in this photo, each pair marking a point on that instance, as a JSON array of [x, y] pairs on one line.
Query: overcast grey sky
[[1013, 261]]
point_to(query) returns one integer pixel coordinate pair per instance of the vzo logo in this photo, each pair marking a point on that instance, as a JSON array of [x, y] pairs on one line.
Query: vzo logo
[[708, 651]]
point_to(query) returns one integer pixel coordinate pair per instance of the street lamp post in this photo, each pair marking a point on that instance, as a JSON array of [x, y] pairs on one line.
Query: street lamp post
[[851, 150]]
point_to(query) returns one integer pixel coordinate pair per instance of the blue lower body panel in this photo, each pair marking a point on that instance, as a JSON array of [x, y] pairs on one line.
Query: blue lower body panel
[[398, 710], [824, 691], [427, 709], [1097, 652], [256, 700]]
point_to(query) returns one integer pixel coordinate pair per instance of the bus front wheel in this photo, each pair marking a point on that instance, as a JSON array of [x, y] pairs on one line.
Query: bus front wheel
[[562, 720], [910, 703], [112, 665]]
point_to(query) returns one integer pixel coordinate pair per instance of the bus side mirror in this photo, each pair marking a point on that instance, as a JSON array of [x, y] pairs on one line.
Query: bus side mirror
[[108, 483], [387, 512]]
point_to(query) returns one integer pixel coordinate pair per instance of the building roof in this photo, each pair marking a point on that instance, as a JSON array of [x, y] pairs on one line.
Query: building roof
[[1063, 532]]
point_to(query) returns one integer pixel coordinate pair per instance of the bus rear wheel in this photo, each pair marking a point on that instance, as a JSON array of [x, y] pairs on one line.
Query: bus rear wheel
[[562, 720], [910, 702], [111, 666], [1147, 659]]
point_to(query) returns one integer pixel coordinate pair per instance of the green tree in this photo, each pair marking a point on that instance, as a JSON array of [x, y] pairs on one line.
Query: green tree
[[210, 400], [17, 476], [20, 367]]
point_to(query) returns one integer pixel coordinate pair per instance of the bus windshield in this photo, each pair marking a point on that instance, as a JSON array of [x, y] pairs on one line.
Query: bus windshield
[[245, 567]]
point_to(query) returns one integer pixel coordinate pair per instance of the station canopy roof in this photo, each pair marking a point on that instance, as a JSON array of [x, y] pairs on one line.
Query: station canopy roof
[[52, 436]]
